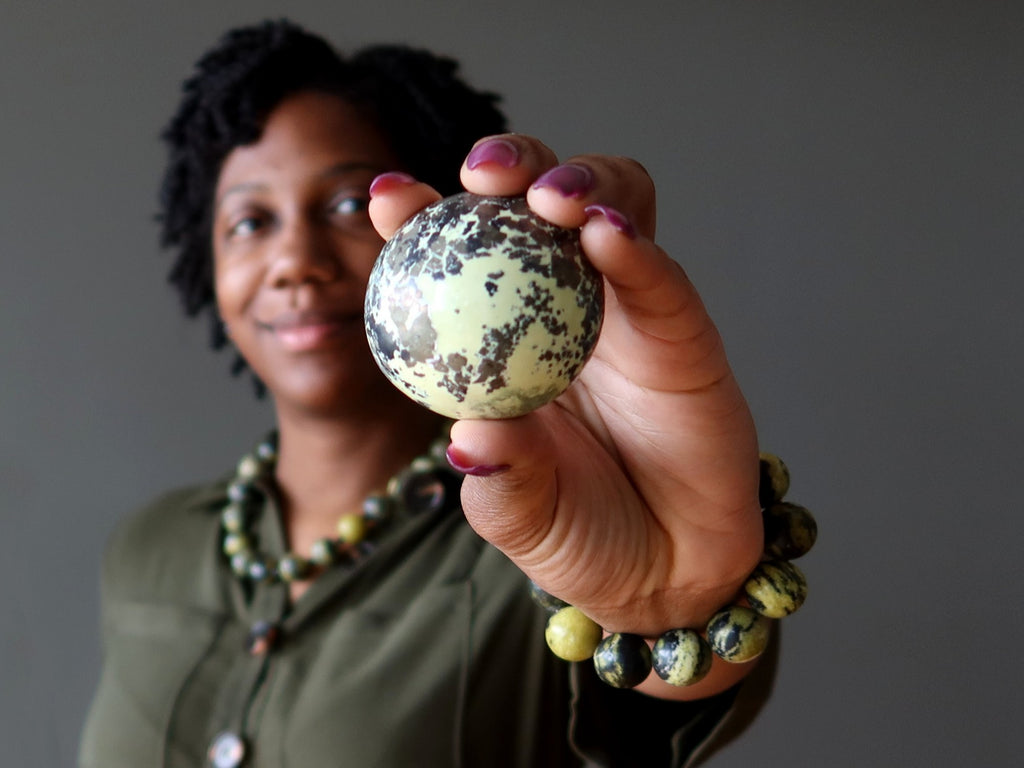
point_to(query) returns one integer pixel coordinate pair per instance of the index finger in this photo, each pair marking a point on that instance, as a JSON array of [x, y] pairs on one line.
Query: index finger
[[505, 164]]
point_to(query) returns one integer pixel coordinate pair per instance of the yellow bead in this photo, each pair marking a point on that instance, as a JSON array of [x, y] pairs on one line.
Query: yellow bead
[[248, 468], [352, 528], [571, 635], [235, 543]]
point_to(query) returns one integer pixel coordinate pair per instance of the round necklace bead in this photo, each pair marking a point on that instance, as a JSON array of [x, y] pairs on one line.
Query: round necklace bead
[[292, 567], [351, 528]]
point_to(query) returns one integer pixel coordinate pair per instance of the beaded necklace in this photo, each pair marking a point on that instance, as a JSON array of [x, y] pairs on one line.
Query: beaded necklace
[[422, 486]]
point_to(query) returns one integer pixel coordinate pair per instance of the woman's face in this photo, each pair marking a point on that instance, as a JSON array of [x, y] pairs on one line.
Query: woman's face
[[293, 248]]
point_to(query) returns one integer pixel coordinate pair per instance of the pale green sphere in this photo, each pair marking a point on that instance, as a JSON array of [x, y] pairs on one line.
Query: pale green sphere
[[571, 635]]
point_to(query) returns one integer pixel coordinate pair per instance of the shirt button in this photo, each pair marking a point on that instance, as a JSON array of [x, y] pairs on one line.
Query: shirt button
[[227, 750], [261, 638]]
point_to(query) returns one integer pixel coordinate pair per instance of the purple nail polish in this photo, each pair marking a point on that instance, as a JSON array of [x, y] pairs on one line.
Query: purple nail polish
[[390, 180], [570, 180], [497, 151], [459, 463], [613, 217]]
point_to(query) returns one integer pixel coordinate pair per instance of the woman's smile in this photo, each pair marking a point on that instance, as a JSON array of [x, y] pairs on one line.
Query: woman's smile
[[309, 331]]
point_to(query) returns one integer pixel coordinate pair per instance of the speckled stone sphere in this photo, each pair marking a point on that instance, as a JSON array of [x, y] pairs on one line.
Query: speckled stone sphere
[[478, 308], [681, 657]]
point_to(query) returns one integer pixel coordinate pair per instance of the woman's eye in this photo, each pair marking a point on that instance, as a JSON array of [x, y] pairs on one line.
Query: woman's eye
[[245, 226], [350, 205]]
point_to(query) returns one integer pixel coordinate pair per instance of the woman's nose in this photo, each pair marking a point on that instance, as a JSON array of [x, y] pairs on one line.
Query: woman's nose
[[303, 254]]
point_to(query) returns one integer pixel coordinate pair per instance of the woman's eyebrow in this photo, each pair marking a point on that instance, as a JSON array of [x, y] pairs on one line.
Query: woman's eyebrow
[[339, 169], [343, 169]]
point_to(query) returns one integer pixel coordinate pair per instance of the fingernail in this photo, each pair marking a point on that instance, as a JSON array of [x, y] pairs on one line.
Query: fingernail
[[461, 464], [613, 217], [569, 180], [497, 151], [387, 181]]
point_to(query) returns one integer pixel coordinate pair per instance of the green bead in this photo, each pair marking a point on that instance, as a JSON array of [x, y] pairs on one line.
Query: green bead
[[774, 481], [776, 588], [738, 634], [622, 660], [571, 635], [249, 468], [681, 657], [235, 543], [790, 531]]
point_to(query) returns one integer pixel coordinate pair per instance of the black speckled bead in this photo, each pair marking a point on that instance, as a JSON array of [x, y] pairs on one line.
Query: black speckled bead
[[738, 634], [774, 482], [622, 660], [240, 492], [549, 603], [789, 531], [423, 492], [681, 657], [267, 449], [292, 568], [323, 552], [776, 588], [260, 568], [377, 507]]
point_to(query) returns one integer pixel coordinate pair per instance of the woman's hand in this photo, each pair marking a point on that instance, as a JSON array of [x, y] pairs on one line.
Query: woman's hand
[[633, 496]]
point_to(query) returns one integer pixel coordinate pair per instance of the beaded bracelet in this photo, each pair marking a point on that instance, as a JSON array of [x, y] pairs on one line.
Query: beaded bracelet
[[737, 633]]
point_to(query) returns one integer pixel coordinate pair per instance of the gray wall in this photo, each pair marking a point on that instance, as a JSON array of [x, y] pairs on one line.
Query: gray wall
[[844, 182]]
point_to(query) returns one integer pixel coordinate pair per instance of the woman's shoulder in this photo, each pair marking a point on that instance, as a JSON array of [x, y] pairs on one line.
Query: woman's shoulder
[[164, 542]]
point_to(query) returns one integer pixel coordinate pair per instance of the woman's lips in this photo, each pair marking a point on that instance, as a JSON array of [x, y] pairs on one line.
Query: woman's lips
[[308, 331]]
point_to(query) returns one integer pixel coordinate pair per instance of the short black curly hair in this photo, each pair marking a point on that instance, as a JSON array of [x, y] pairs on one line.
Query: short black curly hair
[[429, 116]]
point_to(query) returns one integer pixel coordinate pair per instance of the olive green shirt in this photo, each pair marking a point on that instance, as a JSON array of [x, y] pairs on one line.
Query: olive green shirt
[[427, 652]]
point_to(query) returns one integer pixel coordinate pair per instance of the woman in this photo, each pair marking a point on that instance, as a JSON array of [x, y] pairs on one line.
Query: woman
[[293, 612]]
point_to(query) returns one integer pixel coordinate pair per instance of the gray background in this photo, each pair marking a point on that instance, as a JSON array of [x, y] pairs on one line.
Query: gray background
[[843, 180]]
